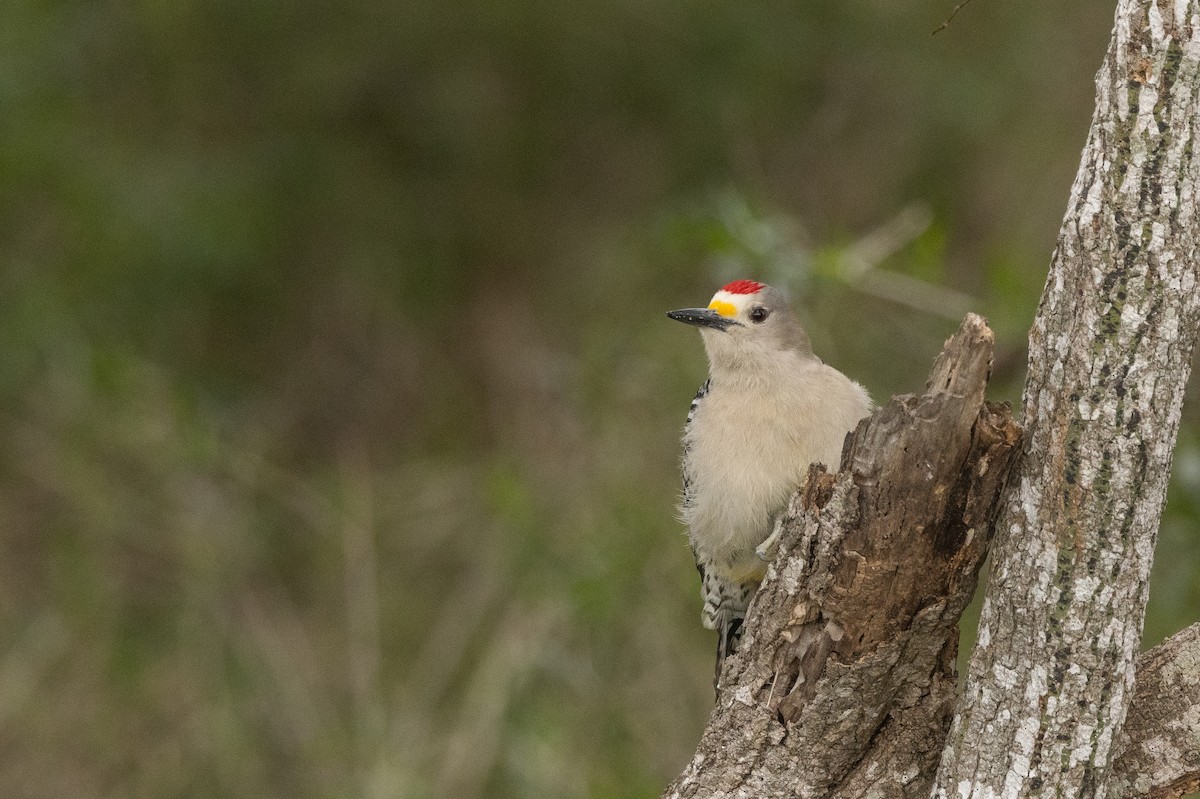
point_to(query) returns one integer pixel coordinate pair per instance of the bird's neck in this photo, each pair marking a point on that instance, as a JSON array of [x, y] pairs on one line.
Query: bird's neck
[[759, 371]]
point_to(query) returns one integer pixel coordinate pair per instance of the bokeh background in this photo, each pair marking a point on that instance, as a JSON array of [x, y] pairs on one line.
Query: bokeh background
[[339, 411]]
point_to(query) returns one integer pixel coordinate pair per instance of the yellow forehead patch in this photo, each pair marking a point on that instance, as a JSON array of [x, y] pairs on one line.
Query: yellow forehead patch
[[723, 308]]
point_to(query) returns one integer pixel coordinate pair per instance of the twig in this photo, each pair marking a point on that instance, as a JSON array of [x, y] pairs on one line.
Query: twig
[[953, 14]]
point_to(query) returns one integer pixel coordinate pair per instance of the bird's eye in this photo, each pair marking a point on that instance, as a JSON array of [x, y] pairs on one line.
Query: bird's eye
[[758, 314]]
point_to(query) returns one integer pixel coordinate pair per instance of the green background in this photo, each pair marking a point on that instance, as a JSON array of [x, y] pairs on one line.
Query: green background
[[339, 408]]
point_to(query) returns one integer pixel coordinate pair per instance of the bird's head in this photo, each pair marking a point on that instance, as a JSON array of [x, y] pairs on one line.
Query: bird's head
[[746, 322]]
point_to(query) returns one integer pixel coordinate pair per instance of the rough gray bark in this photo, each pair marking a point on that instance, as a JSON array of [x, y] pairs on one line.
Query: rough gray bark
[[1109, 357], [1158, 751], [845, 679]]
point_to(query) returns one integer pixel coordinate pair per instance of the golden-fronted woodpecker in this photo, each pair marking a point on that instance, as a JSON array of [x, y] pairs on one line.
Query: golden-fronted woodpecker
[[768, 410]]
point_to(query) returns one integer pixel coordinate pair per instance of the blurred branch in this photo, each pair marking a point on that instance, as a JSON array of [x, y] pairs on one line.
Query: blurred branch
[[361, 586], [274, 633], [916, 294], [858, 266], [502, 672], [884, 241], [452, 632]]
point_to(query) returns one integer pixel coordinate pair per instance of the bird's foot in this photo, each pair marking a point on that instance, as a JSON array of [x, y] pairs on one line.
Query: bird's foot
[[767, 549]]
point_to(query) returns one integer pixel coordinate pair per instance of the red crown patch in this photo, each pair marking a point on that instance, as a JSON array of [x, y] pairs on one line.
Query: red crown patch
[[743, 287]]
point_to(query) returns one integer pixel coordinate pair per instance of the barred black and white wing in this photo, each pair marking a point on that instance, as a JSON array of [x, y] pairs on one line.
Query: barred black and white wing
[[725, 601], [688, 478]]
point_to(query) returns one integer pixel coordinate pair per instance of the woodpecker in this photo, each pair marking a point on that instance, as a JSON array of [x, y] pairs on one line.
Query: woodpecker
[[768, 410]]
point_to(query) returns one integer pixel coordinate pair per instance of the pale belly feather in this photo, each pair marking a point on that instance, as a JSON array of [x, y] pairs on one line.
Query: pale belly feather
[[745, 469]]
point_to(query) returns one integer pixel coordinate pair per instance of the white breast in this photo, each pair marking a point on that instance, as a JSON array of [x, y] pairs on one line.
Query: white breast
[[749, 447]]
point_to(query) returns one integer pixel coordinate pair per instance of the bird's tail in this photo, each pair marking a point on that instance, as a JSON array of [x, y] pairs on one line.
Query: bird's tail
[[725, 605], [729, 636]]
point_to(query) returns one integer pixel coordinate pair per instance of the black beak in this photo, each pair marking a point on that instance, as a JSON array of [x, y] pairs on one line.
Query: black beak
[[702, 317]]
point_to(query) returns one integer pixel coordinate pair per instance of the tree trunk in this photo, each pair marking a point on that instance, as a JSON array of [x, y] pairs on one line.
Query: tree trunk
[[1109, 357], [845, 683]]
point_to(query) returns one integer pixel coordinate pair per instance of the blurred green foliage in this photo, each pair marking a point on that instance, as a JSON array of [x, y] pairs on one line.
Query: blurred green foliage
[[340, 408]]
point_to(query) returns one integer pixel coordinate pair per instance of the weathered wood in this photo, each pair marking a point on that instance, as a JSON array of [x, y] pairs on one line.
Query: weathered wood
[[845, 679], [1158, 751], [1109, 355]]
